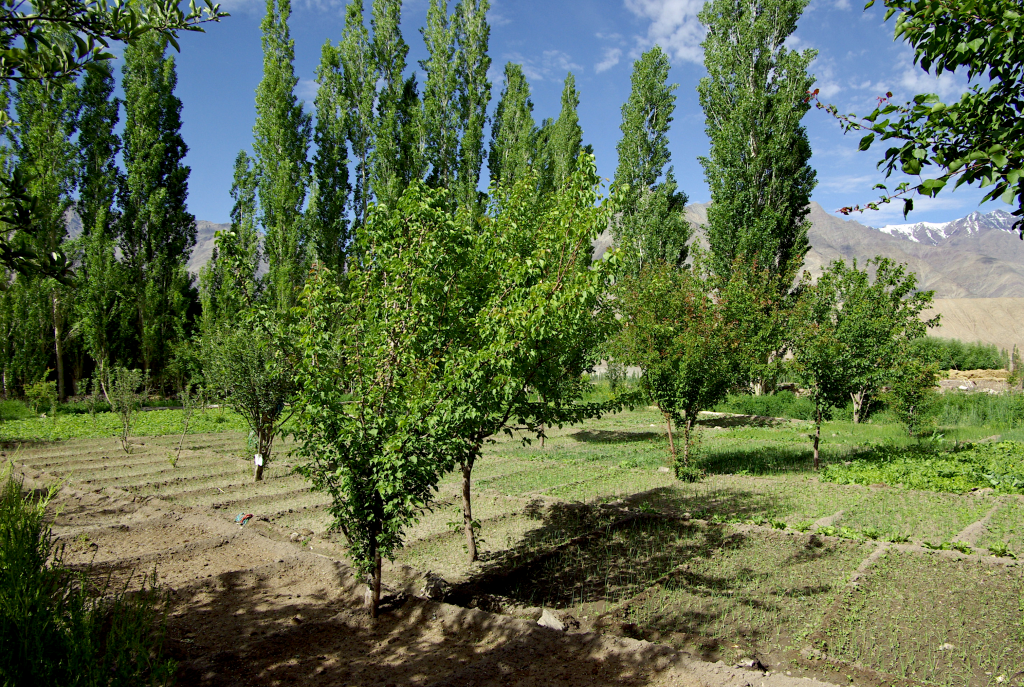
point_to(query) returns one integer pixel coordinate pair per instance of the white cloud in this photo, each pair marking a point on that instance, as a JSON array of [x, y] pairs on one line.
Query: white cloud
[[674, 26], [306, 90], [552, 65], [825, 77], [913, 80], [611, 58]]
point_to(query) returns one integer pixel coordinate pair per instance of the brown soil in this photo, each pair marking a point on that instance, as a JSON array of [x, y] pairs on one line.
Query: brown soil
[[247, 607]]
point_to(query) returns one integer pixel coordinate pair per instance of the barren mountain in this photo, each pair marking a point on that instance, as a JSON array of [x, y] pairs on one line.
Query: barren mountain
[[974, 264], [205, 242], [978, 256]]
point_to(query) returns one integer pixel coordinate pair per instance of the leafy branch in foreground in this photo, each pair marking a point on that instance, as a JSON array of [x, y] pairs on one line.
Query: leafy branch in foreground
[[976, 140], [30, 49]]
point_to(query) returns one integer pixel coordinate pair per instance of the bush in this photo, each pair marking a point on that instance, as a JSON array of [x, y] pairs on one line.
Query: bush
[[953, 354], [782, 404], [51, 631], [41, 396], [958, 409], [14, 410]]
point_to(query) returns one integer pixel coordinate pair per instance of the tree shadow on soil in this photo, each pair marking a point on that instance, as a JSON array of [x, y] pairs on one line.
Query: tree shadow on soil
[[240, 630], [604, 436]]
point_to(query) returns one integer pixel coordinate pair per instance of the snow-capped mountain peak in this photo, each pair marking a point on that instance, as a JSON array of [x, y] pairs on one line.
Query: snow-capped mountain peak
[[934, 233], [921, 232]]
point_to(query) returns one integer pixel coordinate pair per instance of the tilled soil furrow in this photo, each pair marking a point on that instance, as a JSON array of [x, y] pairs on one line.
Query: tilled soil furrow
[[238, 491]]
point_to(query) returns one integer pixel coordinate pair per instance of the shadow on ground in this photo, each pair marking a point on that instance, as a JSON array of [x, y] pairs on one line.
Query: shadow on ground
[[604, 436], [232, 632]]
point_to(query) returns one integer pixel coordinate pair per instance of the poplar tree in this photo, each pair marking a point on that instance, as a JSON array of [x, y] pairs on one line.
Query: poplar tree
[[389, 53], [228, 283], [411, 150], [474, 94], [157, 231], [754, 98], [48, 118], [512, 134], [98, 303], [651, 226], [281, 145], [359, 85], [441, 112], [566, 140], [329, 193]]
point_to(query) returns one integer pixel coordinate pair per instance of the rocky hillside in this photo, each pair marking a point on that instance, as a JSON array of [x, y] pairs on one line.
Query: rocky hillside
[[977, 256], [205, 242]]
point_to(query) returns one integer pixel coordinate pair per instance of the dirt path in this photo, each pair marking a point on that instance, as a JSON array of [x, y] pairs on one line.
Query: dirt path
[[246, 609]]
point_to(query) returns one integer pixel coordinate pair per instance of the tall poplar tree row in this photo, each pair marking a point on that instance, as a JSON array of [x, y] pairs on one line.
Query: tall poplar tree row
[[157, 232], [389, 53], [359, 85], [441, 116], [513, 130], [228, 282], [456, 96], [754, 97], [566, 140], [474, 91], [281, 145], [758, 172], [98, 301], [329, 192], [48, 118], [651, 226]]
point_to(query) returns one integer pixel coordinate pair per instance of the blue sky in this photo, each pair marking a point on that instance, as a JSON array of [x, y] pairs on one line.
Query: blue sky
[[597, 40]]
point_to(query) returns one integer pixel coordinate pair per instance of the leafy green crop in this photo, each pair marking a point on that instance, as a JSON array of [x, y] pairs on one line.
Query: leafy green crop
[[999, 466]]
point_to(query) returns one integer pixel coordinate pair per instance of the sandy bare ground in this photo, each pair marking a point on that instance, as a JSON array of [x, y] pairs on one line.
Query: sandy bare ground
[[247, 609]]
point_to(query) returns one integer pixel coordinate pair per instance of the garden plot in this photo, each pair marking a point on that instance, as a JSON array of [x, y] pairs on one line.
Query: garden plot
[[900, 515], [795, 501], [932, 618], [589, 526], [1006, 527]]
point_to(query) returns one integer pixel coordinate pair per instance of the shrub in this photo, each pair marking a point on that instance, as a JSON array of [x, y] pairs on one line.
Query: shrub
[[42, 396], [51, 631], [953, 354], [782, 404]]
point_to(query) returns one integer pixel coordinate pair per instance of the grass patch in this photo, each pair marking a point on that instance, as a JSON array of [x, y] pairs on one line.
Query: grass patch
[[926, 618], [1005, 531], [150, 423]]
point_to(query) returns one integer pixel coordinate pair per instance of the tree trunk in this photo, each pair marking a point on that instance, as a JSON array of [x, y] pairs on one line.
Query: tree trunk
[[858, 405], [58, 346], [817, 434], [375, 593], [103, 383], [467, 509], [686, 442], [671, 443], [542, 436], [263, 445]]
